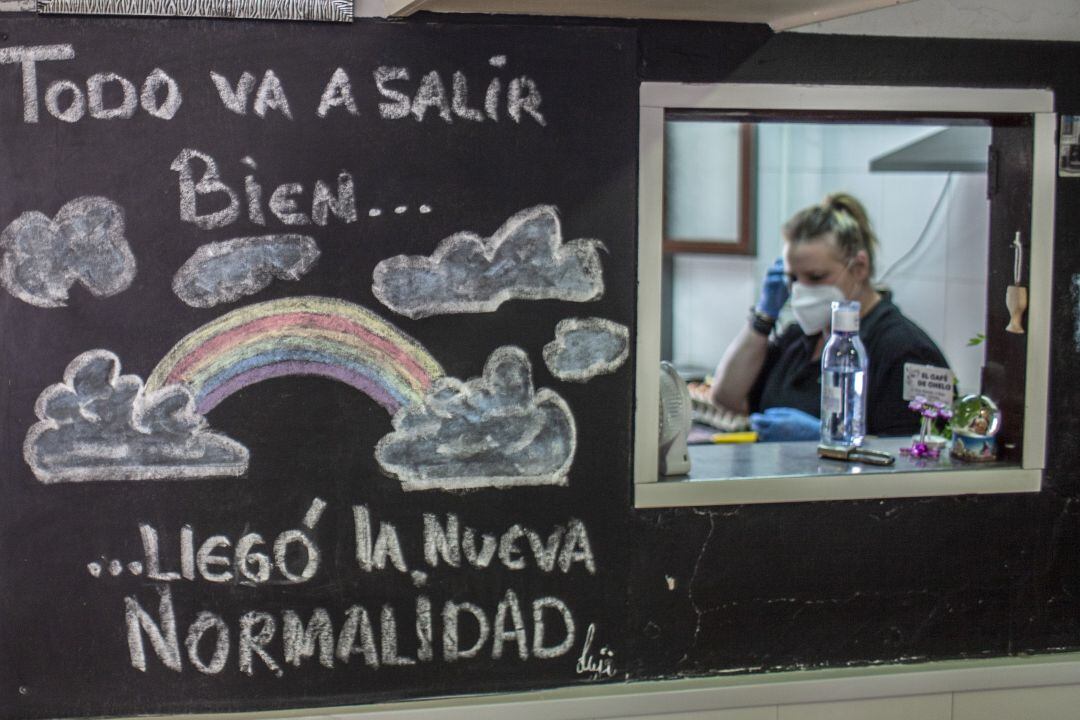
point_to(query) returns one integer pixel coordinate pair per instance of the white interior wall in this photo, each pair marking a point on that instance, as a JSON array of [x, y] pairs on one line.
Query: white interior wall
[[941, 287]]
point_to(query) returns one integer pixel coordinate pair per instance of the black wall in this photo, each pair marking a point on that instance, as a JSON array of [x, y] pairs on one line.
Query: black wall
[[675, 592], [824, 584]]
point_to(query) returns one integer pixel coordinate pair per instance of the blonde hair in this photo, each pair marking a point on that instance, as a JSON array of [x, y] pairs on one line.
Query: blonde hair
[[843, 216]]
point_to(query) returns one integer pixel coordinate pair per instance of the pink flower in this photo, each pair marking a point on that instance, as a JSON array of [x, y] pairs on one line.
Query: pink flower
[[920, 450], [932, 410]]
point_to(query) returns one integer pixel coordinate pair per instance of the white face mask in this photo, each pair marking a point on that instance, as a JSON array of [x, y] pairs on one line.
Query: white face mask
[[812, 305]]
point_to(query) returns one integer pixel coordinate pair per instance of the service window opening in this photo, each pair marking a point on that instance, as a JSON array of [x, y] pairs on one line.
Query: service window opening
[[756, 208]]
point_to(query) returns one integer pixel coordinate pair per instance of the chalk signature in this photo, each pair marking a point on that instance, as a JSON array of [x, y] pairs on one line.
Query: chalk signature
[[599, 665]]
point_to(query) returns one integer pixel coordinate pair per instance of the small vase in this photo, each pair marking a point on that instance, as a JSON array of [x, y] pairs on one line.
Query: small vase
[[1016, 301], [927, 439]]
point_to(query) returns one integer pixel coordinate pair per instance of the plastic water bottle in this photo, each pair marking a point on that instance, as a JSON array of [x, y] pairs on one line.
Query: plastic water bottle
[[843, 379]]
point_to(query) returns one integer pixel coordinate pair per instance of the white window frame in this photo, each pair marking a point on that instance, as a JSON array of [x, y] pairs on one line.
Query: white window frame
[[655, 98]]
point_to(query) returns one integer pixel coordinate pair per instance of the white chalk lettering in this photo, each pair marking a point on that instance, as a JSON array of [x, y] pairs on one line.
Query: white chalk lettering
[[491, 99], [271, 96], [209, 183], [509, 605], [424, 633], [234, 98], [255, 566], [541, 650], [338, 93], [255, 644], [478, 558], [343, 205], [76, 101], [441, 542], [523, 95], [560, 549], [311, 553], [431, 94], [300, 642], [289, 638], [576, 548], [154, 82], [460, 102], [162, 634], [362, 535], [589, 664], [206, 560], [205, 622], [508, 551], [399, 108], [545, 554], [152, 555], [209, 639], [357, 622], [295, 557], [388, 628], [451, 650], [187, 552], [253, 190], [387, 546], [284, 206], [95, 90], [76, 107], [28, 57]]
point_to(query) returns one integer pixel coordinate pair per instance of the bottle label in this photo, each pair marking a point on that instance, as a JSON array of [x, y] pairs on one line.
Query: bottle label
[[830, 400], [845, 321]]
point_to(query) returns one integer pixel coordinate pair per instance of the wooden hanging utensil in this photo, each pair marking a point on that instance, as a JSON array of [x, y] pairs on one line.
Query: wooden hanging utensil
[[1016, 294]]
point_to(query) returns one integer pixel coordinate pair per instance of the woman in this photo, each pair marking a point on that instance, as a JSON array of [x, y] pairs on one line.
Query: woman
[[828, 255]]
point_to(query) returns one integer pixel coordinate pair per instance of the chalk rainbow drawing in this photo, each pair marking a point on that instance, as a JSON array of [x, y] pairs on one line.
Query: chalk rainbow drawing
[[310, 335]]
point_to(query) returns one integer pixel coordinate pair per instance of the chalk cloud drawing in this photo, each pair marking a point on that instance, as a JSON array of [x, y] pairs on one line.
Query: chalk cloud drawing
[[491, 431], [525, 259], [586, 347], [83, 243], [223, 272], [100, 425]]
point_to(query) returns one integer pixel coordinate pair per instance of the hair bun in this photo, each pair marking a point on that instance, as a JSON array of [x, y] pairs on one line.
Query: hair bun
[[841, 214]]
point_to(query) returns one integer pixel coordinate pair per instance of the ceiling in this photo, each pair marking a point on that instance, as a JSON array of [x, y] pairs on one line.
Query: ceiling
[[779, 14]]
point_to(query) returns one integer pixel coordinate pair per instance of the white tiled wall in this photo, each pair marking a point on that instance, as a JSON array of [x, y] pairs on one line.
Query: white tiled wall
[[940, 285], [712, 295]]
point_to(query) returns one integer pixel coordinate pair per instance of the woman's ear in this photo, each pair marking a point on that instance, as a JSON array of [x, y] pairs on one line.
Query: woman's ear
[[860, 266]]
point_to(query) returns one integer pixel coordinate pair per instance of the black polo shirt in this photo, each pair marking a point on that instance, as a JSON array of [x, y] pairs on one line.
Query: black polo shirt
[[790, 378]]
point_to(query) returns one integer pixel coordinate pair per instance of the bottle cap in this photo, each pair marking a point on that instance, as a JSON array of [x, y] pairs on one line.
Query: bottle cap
[[845, 316]]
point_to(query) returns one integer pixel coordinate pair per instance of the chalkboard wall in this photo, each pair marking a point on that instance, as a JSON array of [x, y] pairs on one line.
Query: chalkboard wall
[[314, 345]]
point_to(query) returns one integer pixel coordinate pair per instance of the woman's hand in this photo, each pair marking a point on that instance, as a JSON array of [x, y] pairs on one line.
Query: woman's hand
[[780, 424], [774, 290]]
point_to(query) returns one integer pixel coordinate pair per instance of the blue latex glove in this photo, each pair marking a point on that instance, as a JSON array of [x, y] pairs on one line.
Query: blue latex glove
[[780, 424], [774, 290]]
